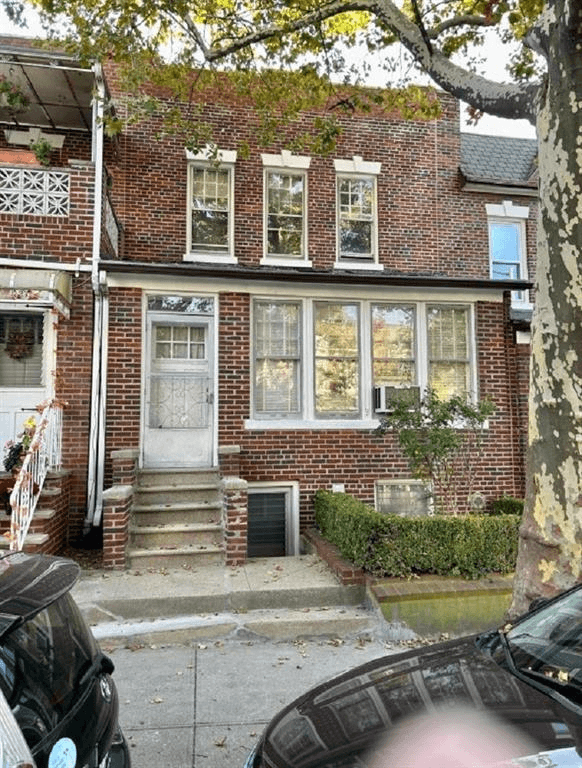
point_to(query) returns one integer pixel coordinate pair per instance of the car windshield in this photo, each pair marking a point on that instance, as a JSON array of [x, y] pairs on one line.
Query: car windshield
[[547, 645], [43, 661]]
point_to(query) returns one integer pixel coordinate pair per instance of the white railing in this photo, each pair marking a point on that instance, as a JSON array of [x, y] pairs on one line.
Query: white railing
[[43, 454]]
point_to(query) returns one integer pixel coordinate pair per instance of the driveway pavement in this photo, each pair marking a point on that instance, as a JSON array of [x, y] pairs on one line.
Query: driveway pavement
[[204, 705]]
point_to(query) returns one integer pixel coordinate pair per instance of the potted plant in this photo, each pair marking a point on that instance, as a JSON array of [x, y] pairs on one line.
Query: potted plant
[[12, 96], [15, 450], [42, 149]]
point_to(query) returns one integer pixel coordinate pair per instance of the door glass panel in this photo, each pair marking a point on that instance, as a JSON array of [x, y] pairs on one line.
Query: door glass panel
[[21, 343], [179, 342]]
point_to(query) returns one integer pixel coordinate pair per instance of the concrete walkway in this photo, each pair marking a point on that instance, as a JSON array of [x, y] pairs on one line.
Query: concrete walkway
[[276, 598]]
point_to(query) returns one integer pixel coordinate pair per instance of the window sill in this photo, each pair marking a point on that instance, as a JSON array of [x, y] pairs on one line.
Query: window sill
[[359, 265], [312, 424], [211, 258], [274, 261]]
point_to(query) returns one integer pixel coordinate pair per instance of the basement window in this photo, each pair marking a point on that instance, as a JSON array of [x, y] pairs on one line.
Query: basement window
[[406, 498]]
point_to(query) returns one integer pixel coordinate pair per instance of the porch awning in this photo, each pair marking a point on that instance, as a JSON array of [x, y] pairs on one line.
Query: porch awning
[[35, 288]]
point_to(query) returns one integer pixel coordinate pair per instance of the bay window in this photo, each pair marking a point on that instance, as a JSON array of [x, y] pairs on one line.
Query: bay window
[[319, 361]]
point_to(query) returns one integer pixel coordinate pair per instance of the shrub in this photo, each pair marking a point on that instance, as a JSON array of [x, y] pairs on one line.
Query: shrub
[[507, 505], [388, 545]]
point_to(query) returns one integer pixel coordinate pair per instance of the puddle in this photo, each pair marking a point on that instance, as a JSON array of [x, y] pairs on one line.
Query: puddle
[[455, 614]]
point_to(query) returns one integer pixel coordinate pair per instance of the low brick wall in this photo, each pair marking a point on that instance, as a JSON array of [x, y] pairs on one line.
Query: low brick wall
[[117, 504], [347, 572], [236, 503]]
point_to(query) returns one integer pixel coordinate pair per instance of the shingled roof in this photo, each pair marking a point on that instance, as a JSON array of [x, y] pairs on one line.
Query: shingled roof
[[499, 160]]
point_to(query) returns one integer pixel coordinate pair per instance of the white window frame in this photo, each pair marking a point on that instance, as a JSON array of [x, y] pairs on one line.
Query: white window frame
[[367, 419], [517, 215], [285, 163], [262, 415], [291, 492], [224, 160], [358, 168]]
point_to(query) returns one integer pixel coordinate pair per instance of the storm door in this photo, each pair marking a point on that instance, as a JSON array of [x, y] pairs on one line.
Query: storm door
[[179, 388], [22, 370]]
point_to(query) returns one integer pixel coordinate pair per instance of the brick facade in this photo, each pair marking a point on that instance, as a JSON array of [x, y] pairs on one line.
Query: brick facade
[[432, 247]]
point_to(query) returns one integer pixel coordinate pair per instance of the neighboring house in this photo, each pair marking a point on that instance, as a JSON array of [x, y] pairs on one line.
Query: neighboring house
[[247, 318]]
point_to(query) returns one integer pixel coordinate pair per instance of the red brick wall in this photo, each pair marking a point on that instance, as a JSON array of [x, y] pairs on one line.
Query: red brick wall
[[124, 373], [427, 223], [73, 387], [63, 238]]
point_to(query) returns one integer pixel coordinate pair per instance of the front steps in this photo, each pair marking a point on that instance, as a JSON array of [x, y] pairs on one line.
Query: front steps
[[176, 520]]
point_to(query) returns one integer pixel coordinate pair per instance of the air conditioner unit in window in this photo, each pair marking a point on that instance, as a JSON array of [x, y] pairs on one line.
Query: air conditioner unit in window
[[383, 396]]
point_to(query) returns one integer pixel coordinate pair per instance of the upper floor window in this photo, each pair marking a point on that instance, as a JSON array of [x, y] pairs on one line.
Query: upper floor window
[[507, 245], [210, 206], [357, 211], [285, 208]]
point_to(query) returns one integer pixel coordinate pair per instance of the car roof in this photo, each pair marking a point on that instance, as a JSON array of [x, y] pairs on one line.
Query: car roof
[[29, 583]]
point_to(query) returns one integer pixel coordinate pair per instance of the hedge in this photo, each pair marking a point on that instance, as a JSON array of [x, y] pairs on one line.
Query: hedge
[[470, 546]]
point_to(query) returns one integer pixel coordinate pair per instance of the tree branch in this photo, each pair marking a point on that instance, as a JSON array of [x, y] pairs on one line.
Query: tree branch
[[507, 100], [467, 20], [276, 30]]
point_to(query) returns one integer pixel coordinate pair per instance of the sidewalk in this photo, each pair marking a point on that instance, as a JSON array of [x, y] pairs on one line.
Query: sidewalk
[[276, 598]]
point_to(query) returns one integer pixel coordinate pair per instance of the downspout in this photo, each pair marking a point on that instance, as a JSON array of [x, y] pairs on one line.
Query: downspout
[[96, 461]]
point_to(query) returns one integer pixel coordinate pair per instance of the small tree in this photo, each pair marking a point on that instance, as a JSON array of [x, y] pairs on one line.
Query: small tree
[[442, 440]]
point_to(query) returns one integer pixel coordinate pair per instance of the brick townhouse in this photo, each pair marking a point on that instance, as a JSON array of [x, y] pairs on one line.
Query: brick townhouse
[[224, 329]]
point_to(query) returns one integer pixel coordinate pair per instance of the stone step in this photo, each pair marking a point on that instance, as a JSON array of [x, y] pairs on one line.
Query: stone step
[[177, 514], [32, 542], [183, 557], [175, 536], [174, 477], [167, 494]]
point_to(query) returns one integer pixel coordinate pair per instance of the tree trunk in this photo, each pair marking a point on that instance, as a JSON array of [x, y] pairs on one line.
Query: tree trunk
[[550, 547]]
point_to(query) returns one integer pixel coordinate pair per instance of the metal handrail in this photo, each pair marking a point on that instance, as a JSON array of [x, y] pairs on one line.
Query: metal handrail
[[43, 454]]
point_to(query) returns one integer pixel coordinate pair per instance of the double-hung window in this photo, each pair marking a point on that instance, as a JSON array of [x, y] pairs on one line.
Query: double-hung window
[[319, 360], [285, 204], [507, 245], [210, 207], [337, 360], [357, 211], [277, 340], [394, 345], [449, 361]]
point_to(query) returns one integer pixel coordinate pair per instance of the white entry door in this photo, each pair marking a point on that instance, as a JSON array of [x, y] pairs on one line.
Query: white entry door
[[22, 371], [179, 391]]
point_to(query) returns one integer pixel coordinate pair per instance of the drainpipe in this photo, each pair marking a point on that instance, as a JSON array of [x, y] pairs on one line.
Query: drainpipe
[[96, 462]]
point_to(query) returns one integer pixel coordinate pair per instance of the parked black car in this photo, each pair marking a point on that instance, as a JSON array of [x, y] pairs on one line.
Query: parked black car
[[52, 673], [528, 674]]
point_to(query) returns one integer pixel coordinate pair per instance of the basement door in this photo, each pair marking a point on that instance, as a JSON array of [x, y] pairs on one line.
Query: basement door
[[179, 390]]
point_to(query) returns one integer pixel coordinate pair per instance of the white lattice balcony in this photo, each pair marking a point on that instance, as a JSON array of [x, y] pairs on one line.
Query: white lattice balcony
[[33, 191]]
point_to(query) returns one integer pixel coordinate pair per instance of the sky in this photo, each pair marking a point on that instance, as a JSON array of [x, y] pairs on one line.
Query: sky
[[495, 68]]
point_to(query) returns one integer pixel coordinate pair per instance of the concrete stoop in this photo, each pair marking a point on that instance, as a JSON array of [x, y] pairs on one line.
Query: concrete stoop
[[176, 520], [274, 598]]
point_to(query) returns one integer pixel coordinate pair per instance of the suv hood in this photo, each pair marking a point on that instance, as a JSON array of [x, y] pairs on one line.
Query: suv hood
[[30, 583]]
